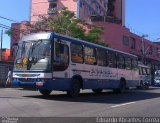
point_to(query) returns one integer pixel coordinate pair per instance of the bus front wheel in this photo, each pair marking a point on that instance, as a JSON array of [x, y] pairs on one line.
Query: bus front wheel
[[45, 92], [75, 88]]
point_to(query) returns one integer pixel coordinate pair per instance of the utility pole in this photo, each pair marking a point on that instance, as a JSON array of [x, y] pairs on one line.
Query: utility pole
[[143, 49], [1, 45]]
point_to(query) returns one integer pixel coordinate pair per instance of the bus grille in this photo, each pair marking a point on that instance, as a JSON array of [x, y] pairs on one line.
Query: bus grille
[[27, 80]]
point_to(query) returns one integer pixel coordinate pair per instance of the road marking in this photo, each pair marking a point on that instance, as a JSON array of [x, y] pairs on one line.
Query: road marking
[[8, 89], [123, 104]]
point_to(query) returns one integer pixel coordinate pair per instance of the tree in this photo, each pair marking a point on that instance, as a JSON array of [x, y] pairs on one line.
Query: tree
[[8, 32], [66, 23]]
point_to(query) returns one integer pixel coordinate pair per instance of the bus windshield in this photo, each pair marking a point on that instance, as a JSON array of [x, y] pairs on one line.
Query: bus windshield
[[33, 55]]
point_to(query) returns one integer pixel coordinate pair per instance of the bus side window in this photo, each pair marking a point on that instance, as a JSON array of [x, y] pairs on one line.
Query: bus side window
[[140, 70], [148, 71], [134, 64], [128, 63], [76, 53], [112, 60], [120, 61], [144, 71], [101, 58], [107, 61], [90, 55]]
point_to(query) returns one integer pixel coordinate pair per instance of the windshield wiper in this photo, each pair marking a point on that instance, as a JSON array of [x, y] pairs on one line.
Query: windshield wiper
[[37, 43], [31, 57]]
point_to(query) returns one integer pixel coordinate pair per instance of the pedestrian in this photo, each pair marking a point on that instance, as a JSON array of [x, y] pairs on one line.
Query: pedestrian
[[9, 78]]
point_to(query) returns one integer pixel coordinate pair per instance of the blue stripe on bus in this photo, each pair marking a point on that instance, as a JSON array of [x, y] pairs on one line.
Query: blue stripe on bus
[[107, 84], [63, 84]]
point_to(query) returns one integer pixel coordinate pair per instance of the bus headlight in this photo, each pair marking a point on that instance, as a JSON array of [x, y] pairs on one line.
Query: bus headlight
[[39, 83]]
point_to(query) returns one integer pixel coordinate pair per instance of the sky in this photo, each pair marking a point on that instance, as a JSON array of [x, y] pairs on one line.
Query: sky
[[17, 10], [142, 16]]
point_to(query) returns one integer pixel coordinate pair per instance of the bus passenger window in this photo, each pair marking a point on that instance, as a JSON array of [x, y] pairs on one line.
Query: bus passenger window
[[140, 70], [76, 53], [120, 62], [144, 71], [112, 60], [101, 58], [148, 71], [134, 64], [128, 63], [90, 55]]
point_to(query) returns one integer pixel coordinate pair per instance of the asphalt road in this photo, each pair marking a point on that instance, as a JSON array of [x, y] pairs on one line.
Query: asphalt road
[[133, 103]]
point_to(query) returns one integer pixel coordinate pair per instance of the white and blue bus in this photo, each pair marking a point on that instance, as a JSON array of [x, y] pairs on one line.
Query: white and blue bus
[[145, 76], [50, 61]]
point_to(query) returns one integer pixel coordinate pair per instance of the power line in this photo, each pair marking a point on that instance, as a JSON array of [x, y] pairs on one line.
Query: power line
[[8, 19], [12, 20], [16, 30]]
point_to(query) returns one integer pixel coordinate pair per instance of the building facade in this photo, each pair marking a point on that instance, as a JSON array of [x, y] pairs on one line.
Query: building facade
[[120, 37], [112, 10], [18, 30], [109, 14], [83, 9]]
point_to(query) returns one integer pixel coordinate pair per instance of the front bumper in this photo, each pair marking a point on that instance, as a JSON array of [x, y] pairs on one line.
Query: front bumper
[[59, 84]]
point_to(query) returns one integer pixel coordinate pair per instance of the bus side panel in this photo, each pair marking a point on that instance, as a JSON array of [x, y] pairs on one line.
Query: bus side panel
[[60, 84], [100, 84], [95, 76], [135, 78], [130, 76]]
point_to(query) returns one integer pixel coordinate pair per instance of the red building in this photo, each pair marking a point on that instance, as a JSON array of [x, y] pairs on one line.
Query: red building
[[18, 29], [5, 55]]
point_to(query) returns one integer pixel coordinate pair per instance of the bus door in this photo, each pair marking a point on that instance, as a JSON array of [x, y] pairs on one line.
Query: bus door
[[61, 59], [77, 59]]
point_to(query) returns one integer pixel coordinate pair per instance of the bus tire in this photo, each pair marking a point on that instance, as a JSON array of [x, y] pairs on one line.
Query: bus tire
[[75, 88], [45, 92], [122, 87], [141, 85], [97, 91]]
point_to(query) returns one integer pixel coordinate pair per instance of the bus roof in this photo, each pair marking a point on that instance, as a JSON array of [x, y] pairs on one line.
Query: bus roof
[[36, 36], [144, 66]]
